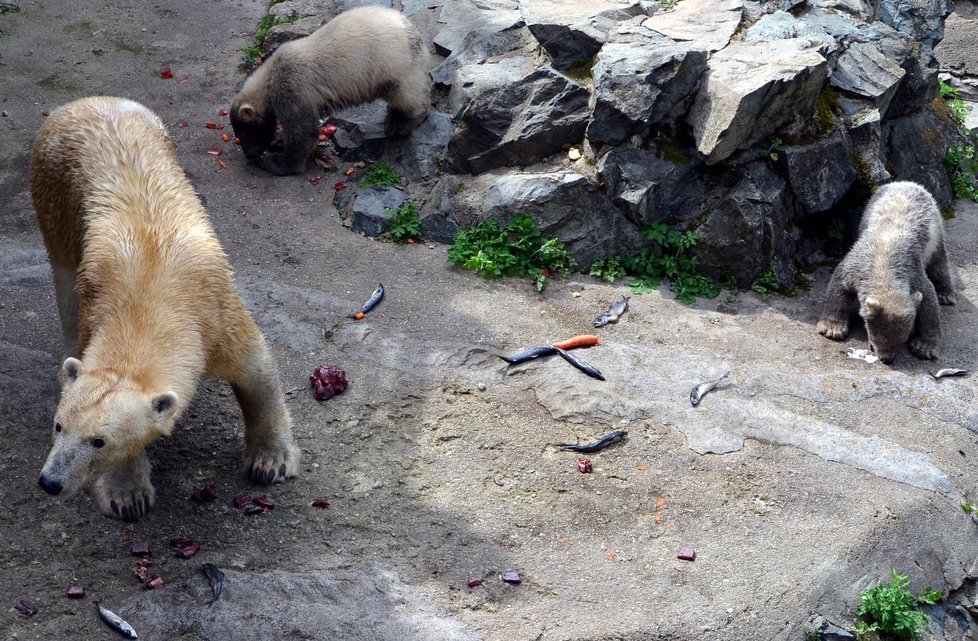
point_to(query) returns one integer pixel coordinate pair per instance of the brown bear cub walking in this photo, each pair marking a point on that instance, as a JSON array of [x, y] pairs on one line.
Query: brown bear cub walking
[[147, 307], [361, 55], [897, 272]]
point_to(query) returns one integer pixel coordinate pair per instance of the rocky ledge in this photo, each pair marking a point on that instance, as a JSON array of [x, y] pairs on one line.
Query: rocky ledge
[[744, 120]]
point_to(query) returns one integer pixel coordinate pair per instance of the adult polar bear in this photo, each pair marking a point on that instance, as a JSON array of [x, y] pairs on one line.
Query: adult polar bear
[[361, 55], [147, 303]]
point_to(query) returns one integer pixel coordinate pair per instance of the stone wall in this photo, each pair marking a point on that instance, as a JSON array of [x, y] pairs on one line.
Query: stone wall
[[743, 120]]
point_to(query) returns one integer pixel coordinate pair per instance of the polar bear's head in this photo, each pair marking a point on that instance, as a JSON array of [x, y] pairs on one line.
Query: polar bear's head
[[889, 318], [102, 421], [253, 126]]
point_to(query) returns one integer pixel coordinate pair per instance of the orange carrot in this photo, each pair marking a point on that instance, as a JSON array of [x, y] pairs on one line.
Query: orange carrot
[[584, 340], [359, 315]]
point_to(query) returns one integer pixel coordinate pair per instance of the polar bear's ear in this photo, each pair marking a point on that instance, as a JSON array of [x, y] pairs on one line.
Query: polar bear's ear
[[872, 307], [916, 299], [70, 370], [247, 112], [164, 404]]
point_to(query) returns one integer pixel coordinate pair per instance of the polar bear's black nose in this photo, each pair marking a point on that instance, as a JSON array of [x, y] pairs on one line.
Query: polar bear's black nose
[[51, 487]]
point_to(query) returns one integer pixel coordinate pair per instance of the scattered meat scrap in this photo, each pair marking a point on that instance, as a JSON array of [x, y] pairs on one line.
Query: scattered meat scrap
[[223, 113], [140, 549], [225, 138], [213, 125], [26, 608], [511, 576], [584, 466], [264, 502], [188, 551], [328, 381], [474, 583], [215, 151], [686, 554], [166, 74], [205, 494], [75, 592], [242, 501], [321, 503], [339, 186]]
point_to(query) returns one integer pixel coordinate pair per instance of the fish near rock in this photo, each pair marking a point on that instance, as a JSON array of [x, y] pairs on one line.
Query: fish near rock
[[896, 274]]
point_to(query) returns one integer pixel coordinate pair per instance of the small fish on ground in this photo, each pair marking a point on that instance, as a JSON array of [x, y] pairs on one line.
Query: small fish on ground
[[600, 444], [371, 302], [580, 364], [698, 392], [216, 578], [950, 371], [528, 355], [116, 622], [613, 314]]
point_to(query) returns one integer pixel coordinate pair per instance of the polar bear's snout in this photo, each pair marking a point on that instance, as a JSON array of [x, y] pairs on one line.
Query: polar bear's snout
[[50, 485]]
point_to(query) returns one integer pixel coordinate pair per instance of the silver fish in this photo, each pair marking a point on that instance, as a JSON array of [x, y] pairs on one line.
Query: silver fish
[[613, 314], [700, 390], [941, 373], [116, 622], [216, 578]]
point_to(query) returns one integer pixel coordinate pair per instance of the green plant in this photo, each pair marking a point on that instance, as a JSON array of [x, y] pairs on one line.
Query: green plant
[[970, 508], [609, 269], [518, 249], [954, 103], [254, 51], [404, 223], [772, 151], [379, 175], [669, 258], [765, 284], [893, 610], [962, 168]]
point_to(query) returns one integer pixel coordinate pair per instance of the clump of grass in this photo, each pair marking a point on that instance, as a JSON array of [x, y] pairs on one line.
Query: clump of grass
[[962, 169], [379, 175], [893, 610], [254, 52], [404, 223]]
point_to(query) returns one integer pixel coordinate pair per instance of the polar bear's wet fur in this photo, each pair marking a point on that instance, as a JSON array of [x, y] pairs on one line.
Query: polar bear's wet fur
[[147, 304], [896, 274], [361, 55]]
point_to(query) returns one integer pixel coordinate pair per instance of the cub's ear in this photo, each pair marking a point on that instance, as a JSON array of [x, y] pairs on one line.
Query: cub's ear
[[916, 299], [70, 370], [164, 405], [247, 112], [871, 307]]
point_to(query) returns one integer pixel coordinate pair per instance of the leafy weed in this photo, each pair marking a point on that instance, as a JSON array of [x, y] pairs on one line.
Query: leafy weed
[[609, 269], [962, 169], [669, 258], [893, 610], [518, 249], [404, 223], [379, 175]]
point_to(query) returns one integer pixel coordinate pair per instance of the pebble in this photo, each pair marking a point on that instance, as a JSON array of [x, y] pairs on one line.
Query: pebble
[[482, 387], [574, 153]]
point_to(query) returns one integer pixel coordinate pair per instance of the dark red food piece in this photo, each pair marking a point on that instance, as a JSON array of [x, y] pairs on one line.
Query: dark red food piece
[[223, 112], [183, 123], [511, 576], [154, 582], [264, 502], [26, 608], [140, 549], [340, 186], [142, 574], [474, 583], [214, 125], [242, 500], [75, 592], [686, 554], [322, 503], [205, 494], [181, 541], [327, 132], [188, 551], [584, 466], [166, 74], [254, 509], [328, 381]]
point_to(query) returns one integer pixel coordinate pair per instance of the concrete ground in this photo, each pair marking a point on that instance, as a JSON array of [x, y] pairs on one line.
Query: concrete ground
[[806, 478]]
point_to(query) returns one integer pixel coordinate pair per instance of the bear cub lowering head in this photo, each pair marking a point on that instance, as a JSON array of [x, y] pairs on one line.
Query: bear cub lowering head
[[102, 422], [363, 54]]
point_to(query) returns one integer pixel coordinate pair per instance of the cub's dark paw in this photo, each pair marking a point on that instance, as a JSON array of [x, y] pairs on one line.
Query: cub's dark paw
[[280, 164], [946, 298], [924, 349]]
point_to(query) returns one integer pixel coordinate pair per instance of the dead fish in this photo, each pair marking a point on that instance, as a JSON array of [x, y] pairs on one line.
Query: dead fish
[[600, 444], [613, 314], [216, 578], [950, 371], [116, 622], [580, 364], [698, 392], [529, 355], [371, 302]]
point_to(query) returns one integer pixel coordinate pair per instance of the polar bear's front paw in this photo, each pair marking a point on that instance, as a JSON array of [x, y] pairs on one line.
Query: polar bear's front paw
[[924, 348], [272, 464], [946, 298], [836, 330], [125, 493]]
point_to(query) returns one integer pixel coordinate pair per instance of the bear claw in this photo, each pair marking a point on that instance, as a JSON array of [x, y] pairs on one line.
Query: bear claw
[[832, 329], [924, 349], [946, 299]]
